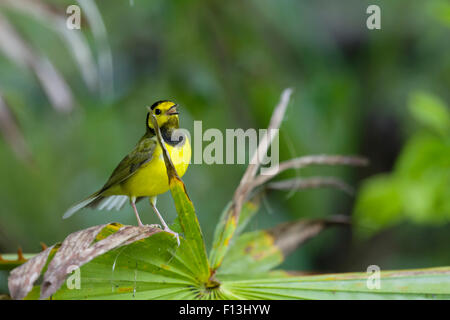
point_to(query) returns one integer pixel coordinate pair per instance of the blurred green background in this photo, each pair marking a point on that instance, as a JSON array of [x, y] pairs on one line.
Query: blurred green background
[[382, 93]]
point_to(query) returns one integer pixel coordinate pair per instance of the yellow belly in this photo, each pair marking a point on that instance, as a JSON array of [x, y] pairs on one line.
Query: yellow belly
[[151, 179]]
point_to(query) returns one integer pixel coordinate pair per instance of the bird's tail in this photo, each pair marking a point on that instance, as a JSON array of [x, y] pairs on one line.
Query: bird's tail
[[80, 205], [99, 202]]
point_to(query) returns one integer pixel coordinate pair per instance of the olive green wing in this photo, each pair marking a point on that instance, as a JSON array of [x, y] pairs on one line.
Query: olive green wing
[[142, 153]]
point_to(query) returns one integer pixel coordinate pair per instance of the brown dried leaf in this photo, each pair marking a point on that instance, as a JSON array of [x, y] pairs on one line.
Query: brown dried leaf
[[76, 250], [301, 162], [246, 184], [18, 50], [290, 235], [76, 42], [22, 278], [311, 183], [11, 132]]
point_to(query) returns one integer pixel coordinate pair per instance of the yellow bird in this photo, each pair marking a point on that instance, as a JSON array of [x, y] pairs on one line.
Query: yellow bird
[[142, 173]]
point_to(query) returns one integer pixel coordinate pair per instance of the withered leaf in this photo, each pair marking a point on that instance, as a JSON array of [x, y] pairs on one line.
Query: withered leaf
[[76, 250], [290, 235], [22, 278]]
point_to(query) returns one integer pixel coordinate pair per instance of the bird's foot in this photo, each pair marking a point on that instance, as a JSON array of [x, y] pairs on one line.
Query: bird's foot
[[154, 226], [167, 229]]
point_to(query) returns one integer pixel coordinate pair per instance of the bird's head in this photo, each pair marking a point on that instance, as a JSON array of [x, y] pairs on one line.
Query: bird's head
[[166, 114]]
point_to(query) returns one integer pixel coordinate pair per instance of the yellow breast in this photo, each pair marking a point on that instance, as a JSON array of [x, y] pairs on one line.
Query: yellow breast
[[151, 179]]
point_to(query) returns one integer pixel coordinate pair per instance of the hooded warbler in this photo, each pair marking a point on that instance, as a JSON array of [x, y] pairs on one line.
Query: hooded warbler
[[142, 173]]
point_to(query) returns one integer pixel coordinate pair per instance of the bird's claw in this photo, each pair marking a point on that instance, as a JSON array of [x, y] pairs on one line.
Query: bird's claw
[[174, 233], [154, 226], [168, 230]]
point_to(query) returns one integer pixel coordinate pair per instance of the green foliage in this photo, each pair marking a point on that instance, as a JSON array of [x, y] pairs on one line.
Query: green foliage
[[431, 111], [155, 267], [194, 245], [441, 10], [419, 188], [224, 63], [412, 284], [252, 252]]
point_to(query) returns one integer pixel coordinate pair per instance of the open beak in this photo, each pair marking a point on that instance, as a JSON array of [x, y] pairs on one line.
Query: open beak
[[172, 110]]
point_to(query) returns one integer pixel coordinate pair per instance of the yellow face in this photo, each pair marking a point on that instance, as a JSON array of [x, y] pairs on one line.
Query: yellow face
[[165, 112]]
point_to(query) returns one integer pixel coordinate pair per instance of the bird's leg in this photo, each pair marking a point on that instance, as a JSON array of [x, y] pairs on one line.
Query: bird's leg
[[133, 204], [166, 227], [132, 201]]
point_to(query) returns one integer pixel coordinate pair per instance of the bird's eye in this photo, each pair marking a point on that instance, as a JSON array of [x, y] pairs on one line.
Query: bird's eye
[[157, 111]]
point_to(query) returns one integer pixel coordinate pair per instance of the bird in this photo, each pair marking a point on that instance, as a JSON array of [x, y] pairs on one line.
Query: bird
[[142, 173]]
